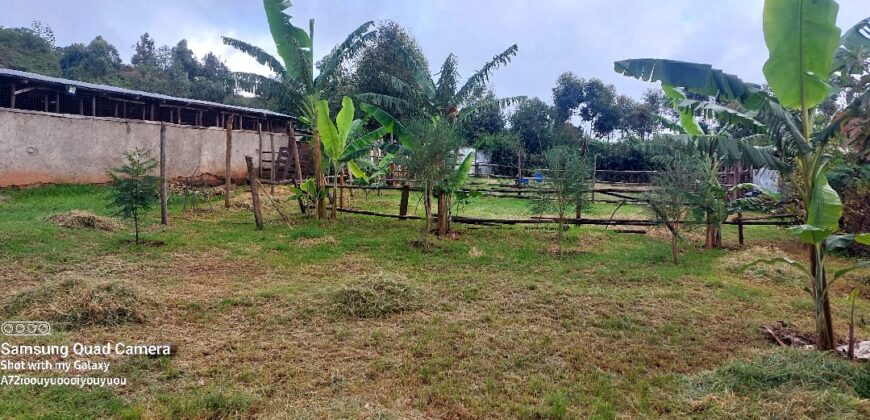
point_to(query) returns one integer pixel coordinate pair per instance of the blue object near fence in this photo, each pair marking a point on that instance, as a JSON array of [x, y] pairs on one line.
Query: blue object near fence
[[539, 177]]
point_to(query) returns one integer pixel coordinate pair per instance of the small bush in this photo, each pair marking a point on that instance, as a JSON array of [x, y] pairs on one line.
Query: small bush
[[81, 219], [375, 297], [75, 304]]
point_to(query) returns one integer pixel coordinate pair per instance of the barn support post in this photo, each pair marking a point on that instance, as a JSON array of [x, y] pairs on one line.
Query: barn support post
[[273, 157], [228, 172], [57, 102], [164, 208], [295, 149], [12, 97], [93, 105], [81, 107], [255, 192], [260, 150], [152, 112]]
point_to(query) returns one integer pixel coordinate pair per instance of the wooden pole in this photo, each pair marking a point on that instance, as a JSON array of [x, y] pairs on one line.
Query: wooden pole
[[93, 105], [255, 192], [152, 112], [341, 203], [164, 210], [12, 97], [81, 107], [594, 174], [57, 102], [294, 148], [403, 205], [228, 170], [740, 228]]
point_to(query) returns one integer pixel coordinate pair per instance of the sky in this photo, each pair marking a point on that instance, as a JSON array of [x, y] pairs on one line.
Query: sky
[[554, 36]]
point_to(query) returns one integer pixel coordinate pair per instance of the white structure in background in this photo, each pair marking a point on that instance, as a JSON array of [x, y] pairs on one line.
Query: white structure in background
[[480, 158], [766, 179]]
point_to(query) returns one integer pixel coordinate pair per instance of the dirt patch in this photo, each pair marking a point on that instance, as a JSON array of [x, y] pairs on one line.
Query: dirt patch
[[555, 251], [376, 296], [74, 304], [81, 219]]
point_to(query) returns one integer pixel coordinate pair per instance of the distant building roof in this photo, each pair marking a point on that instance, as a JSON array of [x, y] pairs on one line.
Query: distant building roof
[[137, 93]]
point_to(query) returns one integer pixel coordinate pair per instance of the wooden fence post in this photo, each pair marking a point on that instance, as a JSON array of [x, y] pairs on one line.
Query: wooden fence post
[[255, 192], [740, 228], [594, 175], [164, 211], [403, 205], [228, 170]]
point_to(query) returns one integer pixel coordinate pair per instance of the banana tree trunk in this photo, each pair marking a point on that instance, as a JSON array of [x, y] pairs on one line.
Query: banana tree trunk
[[824, 325], [714, 234], [335, 202], [316, 154]]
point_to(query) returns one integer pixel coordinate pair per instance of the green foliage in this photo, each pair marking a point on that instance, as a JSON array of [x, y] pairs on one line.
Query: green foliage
[[23, 49], [568, 181], [132, 190]]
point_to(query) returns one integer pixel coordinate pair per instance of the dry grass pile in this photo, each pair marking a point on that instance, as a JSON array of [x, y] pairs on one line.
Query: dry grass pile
[[777, 273], [322, 240], [81, 219], [374, 297], [75, 304], [785, 383]]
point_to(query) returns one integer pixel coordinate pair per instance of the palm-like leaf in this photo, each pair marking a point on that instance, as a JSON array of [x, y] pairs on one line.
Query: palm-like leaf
[[481, 77], [486, 105], [386, 101]]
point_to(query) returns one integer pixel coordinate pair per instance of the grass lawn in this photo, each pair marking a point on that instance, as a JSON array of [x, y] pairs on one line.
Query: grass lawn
[[493, 326]]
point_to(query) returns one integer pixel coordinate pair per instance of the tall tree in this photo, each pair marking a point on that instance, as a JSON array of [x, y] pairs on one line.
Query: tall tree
[[23, 49], [568, 95], [383, 58]]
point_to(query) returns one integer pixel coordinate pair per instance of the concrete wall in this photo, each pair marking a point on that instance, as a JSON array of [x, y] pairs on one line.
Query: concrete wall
[[38, 147]]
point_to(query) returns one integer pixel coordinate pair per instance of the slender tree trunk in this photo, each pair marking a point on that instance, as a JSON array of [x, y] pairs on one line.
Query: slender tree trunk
[[136, 225], [442, 214], [427, 205], [675, 252]]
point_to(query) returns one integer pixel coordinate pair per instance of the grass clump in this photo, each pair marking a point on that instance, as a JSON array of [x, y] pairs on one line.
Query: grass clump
[[785, 383], [210, 404], [73, 304], [81, 219], [375, 297]]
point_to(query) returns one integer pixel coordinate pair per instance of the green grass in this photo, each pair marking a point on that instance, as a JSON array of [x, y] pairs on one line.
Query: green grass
[[500, 327]]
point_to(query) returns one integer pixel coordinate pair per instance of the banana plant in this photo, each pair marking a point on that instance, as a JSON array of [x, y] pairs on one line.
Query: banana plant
[[366, 172], [341, 140], [294, 82], [802, 40], [308, 192]]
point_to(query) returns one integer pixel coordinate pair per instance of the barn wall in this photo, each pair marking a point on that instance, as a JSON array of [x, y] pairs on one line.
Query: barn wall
[[38, 147]]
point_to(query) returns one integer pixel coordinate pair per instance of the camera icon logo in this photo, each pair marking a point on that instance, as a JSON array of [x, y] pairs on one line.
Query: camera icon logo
[[25, 328]]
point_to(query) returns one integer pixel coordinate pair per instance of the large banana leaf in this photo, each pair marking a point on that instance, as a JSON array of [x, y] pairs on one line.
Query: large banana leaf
[[702, 79], [293, 43], [258, 54], [801, 37], [481, 77], [459, 175], [329, 137], [825, 208], [385, 119]]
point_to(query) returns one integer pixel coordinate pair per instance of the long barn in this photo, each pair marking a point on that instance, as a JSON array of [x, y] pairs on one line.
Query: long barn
[[55, 130]]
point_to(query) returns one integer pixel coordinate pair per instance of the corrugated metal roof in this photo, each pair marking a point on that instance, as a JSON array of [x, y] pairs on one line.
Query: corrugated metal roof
[[139, 93]]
